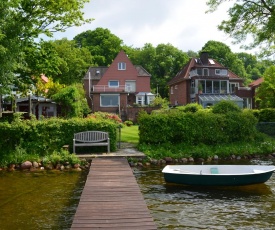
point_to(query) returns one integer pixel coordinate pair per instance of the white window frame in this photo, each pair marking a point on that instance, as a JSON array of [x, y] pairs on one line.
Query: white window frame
[[221, 72], [217, 72], [121, 66], [110, 105], [199, 71], [235, 84], [172, 90], [140, 100], [113, 86], [130, 86], [205, 71], [247, 103], [209, 84]]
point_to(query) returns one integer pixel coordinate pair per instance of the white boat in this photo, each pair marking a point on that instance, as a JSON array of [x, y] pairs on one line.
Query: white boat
[[217, 175]]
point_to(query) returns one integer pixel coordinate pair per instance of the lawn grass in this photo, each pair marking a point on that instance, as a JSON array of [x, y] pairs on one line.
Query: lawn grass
[[130, 134]]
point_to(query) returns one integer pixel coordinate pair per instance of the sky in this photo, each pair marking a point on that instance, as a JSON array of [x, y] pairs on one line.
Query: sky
[[182, 23]]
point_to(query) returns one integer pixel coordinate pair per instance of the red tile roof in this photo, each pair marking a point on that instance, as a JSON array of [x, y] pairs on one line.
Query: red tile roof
[[97, 73], [193, 63], [256, 83]]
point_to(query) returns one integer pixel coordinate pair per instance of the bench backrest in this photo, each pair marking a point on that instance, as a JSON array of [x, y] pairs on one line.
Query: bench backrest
[[91, 136]]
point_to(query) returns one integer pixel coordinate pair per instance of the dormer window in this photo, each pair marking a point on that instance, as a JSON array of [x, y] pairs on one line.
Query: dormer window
[[121, 66], [199, 72], [205, 72], [222, 72]]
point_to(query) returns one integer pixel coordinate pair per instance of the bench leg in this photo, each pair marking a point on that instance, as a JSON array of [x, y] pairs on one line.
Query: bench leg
[[74, 146], [108, 146]]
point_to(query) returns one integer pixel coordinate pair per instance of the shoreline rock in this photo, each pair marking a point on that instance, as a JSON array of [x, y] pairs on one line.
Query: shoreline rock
[[37, 166]]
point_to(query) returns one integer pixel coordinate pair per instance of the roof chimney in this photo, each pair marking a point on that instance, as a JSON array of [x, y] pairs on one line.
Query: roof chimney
[[204, 58]]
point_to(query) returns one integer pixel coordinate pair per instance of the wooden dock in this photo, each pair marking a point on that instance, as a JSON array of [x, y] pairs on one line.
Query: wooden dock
[[111, 198]]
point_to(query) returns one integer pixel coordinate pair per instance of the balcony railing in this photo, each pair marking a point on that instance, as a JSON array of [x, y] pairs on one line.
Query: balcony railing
[[106, 88], [244, 88]]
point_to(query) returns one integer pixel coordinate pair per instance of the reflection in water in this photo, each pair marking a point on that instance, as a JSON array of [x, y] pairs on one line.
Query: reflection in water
[[48, 200], [221, 192], [187, 207], [39, 200]]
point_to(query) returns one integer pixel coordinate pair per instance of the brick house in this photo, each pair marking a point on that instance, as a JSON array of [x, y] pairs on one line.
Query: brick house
[[116, 88], [253, 88], [205, 81]]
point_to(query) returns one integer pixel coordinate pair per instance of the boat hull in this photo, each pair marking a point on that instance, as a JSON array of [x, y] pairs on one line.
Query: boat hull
[[217, 179]]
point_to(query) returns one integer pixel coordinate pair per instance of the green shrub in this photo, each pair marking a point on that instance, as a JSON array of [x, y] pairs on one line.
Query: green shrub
[[182, 150], [18, 156], [160, 102], [267, 115], [128, 123], [55, 158], [70, 158], [224, 107], [72, 99], [255, 112], [202, 127], [267, 128], [45, 136], [61, 157], [192, 107], [240, 126]]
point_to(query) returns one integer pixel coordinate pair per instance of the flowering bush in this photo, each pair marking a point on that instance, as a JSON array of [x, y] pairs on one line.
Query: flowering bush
[[103, 115]]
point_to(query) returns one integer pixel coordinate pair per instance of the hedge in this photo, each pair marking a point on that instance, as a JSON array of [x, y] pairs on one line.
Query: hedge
[[45, 136], [202, 127], [267, 128]]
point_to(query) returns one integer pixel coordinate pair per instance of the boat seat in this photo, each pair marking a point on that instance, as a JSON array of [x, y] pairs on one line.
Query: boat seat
[[214, 170]]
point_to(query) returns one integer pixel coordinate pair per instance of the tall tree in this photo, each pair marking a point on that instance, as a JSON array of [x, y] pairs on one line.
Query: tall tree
[[223, 54], [192, 54], [248, 59], [103, 45], [39, 59], [254, 68], [162, 62], [74, 61], [169, 60], [9, 45], [73, 101], [248, 18], [218, 51], [21, 21], [144, 56], [266, 92]]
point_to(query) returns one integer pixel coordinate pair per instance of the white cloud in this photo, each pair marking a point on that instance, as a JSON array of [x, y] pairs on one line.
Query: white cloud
[[182, 23]]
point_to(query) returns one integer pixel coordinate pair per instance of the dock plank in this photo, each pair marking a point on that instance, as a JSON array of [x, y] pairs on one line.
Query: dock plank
[[111, 198]]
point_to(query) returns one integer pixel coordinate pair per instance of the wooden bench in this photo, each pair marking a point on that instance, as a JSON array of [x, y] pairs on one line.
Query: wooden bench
[[91, 138]]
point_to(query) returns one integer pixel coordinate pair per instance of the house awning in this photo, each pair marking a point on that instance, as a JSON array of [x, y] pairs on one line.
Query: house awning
[[143, 94], [34, 98], [207, 100]]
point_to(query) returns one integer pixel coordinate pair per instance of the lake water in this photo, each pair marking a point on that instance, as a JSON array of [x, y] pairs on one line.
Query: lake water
[[48, 200], [39, 200], [186, 207]]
